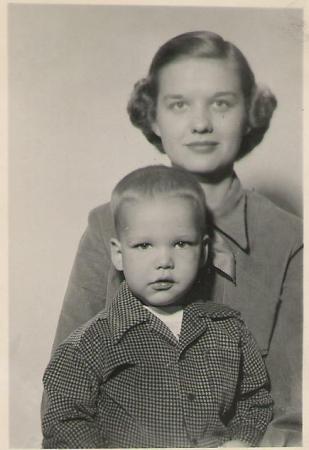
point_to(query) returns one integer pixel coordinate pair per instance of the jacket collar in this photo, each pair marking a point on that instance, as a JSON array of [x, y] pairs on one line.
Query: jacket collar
[[212, 310], [230, 220], [126, 312], [223, 258], [231, 217]]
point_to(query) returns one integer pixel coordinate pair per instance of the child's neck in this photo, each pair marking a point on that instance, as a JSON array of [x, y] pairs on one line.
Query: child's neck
[[171, 316], [165, 310]]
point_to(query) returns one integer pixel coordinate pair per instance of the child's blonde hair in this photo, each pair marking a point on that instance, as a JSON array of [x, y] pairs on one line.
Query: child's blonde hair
[[158, 180]]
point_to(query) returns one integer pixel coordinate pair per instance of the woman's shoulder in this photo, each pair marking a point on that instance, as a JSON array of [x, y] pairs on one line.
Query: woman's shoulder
[[100, 218], [101, 212], [279, 222]]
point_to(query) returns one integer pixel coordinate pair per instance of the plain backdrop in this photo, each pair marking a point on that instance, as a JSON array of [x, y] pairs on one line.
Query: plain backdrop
[[71, 71]]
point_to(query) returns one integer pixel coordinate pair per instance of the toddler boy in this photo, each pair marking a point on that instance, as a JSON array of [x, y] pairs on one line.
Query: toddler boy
[[160, 367]]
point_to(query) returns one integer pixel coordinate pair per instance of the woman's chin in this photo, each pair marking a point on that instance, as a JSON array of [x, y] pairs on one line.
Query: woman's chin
[[211, 173]]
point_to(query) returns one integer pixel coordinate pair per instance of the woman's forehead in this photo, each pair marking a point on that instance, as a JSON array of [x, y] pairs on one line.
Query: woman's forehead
[[193, 73]]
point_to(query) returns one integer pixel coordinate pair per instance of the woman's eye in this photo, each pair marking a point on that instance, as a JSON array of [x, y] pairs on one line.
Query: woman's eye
[[182, 244], [178, 106], [221, 105]]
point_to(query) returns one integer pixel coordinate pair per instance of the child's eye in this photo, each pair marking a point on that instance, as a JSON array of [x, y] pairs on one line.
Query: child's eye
[[143, 246], [182, 244]]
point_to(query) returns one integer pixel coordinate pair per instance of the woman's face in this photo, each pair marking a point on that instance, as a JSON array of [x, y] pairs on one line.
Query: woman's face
[[201, 114]]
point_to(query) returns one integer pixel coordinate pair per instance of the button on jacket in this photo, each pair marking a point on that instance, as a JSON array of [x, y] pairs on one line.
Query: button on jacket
[[257, 270], [124, 380]]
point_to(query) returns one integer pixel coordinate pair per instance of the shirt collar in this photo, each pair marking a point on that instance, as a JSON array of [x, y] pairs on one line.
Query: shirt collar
[[126, 311], [231, 216]]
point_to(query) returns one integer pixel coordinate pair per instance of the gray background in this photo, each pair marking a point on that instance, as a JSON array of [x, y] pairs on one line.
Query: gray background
[[71, 70]]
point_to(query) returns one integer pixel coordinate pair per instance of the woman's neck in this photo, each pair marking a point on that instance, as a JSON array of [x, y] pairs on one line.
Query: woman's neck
[[215, 189]]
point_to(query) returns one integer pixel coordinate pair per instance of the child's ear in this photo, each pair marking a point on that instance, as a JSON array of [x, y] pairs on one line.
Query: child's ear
[[205, 250], [116, 253]]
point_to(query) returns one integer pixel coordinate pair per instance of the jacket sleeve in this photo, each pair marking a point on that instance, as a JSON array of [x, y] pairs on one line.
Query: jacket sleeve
[[87, 290], [70, 420], [284, 360], [253, 402]]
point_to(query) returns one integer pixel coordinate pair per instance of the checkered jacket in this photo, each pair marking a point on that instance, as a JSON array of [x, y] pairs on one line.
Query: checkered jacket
[[123, 380]]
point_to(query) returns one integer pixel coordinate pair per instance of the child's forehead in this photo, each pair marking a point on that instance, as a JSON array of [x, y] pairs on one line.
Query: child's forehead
[[173, 213], [160, 203]]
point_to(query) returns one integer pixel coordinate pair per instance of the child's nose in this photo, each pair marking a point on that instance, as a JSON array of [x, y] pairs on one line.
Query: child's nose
[[164, 259]]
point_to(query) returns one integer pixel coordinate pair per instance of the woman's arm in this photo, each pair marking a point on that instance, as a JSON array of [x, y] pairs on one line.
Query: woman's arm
[[284, 361], [93, 279], [70, 420]]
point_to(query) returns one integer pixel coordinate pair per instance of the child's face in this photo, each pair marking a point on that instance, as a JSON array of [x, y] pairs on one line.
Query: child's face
[[160, 249], [201, 114]]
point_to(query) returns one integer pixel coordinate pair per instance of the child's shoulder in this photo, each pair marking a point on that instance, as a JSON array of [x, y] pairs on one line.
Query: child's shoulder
[[218, 311], [82, 353], [224, 319], [91, 333]]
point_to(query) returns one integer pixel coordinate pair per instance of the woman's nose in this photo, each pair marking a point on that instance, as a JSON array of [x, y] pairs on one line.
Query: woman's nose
[[164, 259], [201, 121]]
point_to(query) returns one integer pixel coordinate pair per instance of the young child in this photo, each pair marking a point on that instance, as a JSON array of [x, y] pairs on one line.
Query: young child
[[161, 367]]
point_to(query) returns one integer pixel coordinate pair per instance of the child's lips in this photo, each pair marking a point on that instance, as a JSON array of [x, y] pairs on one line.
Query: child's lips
[[162, 284]]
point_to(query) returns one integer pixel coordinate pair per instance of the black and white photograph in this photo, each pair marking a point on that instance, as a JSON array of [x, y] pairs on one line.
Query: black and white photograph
[[155, 233]]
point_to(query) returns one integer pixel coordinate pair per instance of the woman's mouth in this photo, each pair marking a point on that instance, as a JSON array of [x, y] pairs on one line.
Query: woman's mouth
[[202, 146]]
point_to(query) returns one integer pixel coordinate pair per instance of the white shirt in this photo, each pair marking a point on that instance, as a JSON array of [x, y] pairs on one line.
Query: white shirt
[[171, 316]]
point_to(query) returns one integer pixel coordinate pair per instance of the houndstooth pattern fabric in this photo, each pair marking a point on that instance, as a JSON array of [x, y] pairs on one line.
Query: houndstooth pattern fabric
[[123, 380]]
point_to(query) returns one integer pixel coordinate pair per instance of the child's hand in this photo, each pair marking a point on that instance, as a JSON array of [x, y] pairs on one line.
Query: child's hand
[[235, 443]]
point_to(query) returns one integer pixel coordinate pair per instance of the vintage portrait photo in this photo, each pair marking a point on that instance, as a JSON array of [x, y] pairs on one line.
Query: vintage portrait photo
[[155, 207]]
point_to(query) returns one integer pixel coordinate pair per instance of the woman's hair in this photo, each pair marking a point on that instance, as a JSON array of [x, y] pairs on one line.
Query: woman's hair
[[260, 102], [151, 182]]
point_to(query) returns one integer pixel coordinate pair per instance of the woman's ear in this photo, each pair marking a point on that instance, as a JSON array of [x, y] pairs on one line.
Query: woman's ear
[[247, 129], [116, 253], [155, 128], [205, 250]]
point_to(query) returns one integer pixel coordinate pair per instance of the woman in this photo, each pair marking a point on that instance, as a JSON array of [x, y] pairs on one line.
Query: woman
[[201, 106]]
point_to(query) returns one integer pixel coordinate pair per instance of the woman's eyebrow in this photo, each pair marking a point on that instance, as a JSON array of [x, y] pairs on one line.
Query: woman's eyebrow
[[216, 94], [172, 96], [222, 93]]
